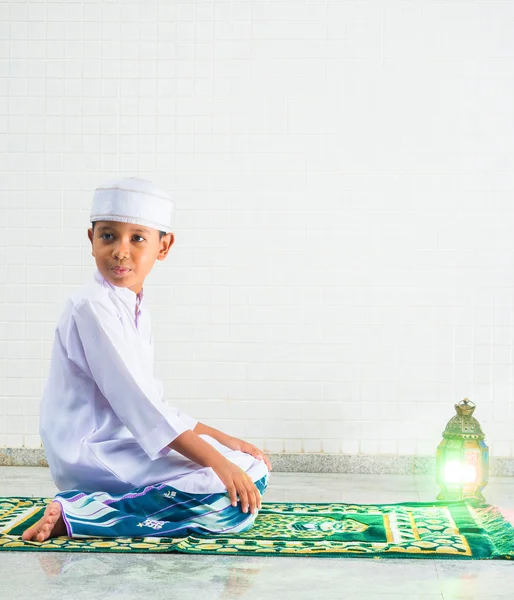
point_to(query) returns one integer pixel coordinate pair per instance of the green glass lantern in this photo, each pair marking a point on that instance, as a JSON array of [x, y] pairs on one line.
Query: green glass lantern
[[462, 464]]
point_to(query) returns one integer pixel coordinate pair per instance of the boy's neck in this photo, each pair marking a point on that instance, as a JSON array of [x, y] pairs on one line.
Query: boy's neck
[[137, 289]]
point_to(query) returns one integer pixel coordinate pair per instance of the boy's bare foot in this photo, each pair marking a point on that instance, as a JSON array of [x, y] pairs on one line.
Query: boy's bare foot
[[50, 525]]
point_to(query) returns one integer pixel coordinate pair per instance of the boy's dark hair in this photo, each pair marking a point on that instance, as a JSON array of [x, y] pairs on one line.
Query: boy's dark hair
[[161, 233]]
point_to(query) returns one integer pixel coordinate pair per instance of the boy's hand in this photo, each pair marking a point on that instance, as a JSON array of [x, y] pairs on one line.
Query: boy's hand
[[232, 442], [238, 483], [237, 444]]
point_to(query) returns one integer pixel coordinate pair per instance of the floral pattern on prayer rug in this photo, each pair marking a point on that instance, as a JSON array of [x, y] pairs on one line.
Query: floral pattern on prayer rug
[[457, 530]]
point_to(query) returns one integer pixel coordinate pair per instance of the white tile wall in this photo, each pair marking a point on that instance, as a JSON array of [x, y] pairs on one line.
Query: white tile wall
[[343, 271]]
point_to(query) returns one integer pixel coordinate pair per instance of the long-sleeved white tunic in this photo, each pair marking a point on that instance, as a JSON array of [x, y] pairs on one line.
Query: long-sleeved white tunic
[[104, 424]]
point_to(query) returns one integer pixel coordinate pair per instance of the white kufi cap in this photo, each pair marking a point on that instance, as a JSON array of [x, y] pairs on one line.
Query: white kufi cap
[[133, 200]]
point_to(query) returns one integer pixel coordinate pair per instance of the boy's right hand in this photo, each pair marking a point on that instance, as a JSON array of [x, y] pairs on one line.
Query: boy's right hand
[[238, 483]]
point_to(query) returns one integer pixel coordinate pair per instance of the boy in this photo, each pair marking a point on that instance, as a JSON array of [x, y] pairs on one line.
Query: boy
[[135, 466]]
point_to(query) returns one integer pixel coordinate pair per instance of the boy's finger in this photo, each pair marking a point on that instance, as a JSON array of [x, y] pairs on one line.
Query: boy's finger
[[232, 494], [256, 453], [250, 449], [262, 456], [243, 497], [253, 498]]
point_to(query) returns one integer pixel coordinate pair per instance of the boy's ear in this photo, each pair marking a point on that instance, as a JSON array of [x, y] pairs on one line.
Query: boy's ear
[[166, 242], [90, 236]]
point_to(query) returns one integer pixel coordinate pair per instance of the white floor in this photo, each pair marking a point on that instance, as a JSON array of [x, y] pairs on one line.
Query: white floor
[[50, 576]]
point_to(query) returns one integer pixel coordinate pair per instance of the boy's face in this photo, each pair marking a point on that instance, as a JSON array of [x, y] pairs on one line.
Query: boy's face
[[125, 253]]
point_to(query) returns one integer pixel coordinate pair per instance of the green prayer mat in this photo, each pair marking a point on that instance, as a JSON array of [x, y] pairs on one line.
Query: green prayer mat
[[463, 530]]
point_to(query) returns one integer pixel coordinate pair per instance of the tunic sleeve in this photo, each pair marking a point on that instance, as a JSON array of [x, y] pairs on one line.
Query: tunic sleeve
[[184, 417], [131, 390]]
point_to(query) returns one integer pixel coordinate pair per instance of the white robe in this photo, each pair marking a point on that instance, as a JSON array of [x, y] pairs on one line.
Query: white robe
[[104, 424]]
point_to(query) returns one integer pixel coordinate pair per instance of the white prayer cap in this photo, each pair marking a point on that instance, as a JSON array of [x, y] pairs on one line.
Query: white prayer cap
[[133, 200]]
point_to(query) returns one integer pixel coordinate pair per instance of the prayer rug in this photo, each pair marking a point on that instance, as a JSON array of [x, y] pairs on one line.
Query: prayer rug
[[457, 530]]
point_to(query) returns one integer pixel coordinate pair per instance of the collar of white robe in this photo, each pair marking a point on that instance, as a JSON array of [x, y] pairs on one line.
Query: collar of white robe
[[133, 200]]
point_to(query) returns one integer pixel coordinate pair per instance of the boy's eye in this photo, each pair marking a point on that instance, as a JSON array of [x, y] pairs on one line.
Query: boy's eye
[[109, 236]]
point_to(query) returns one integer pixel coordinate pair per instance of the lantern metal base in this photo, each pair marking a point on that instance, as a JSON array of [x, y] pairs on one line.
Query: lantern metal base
[[449, 494]]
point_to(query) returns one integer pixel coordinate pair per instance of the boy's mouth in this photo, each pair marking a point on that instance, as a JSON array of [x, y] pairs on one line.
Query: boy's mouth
[[120, 270]]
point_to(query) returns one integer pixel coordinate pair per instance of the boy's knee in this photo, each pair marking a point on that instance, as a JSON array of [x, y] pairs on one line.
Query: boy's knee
[[262, 483]]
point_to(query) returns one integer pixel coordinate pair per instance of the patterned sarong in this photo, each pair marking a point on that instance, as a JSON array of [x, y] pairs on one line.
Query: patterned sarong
[[154, 510]]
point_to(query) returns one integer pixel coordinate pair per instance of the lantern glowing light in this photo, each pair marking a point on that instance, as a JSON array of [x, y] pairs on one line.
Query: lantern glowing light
[[455, 472], [462, 457]]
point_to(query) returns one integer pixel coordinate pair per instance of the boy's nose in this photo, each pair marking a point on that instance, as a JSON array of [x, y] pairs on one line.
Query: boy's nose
[[121, 250]]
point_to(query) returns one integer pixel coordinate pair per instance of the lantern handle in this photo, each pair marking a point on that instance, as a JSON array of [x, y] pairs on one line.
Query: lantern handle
[[466, 402]]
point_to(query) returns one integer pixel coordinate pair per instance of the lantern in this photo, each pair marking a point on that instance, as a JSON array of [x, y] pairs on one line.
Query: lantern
[[462, 463]]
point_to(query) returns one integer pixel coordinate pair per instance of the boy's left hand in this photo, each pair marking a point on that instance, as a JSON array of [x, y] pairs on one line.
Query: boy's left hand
[[237, 444]]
